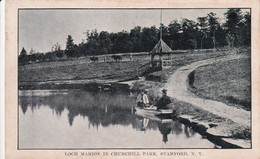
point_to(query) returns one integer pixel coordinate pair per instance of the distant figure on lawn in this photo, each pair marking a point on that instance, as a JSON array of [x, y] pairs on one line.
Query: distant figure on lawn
[[163, 101], [142, 99], [117, 57], [94, 59]]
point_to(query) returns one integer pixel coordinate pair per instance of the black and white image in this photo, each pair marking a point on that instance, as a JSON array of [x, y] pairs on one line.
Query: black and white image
[[134, 78]]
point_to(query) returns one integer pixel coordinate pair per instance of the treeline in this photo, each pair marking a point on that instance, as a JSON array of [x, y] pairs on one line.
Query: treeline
[[207, 32]]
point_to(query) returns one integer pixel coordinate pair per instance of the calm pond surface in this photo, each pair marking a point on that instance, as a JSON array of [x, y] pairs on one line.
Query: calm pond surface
[[65, 119]]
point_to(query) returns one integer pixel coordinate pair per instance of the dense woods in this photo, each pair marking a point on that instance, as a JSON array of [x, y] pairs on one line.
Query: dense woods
[[205, 33]]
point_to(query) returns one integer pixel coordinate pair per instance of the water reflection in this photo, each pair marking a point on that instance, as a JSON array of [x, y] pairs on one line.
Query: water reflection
[[165, 127], [142, 123], [98, 107], [112, 116]]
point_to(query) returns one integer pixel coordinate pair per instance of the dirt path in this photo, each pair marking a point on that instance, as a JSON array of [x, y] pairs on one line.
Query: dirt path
[[177, 87]]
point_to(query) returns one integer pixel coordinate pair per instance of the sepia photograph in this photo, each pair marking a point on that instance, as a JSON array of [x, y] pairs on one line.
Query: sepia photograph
[[134, 78]]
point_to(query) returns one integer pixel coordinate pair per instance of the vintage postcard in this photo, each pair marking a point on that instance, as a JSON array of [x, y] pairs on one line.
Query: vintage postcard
[[114, 79]]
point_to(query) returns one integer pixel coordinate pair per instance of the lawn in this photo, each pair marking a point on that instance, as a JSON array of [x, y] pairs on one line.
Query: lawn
[[77, 71], [228, 82]]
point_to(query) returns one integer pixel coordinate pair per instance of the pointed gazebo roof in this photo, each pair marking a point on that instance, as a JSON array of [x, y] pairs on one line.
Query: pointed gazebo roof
[[161, 48]]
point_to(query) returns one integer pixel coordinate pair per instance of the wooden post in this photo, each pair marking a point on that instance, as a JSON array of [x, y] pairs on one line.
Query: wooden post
[[161, 26], [214, 41], [152, 59], [160, 57]]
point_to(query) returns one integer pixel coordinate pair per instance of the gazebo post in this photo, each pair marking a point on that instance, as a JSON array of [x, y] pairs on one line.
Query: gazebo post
[[160, 57], [152, 59]]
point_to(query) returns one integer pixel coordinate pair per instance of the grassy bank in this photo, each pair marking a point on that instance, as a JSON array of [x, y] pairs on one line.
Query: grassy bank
[[77, 71], [227, 82]]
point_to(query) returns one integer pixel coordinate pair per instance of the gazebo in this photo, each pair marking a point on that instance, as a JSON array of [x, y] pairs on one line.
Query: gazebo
[[161, 48]]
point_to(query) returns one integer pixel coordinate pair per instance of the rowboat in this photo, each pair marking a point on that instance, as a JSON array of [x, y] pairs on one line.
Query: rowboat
[[153, 110], [152, 113]]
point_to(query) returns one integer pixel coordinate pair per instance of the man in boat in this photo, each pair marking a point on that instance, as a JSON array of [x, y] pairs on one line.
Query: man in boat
[[142, 99], [163, 101]]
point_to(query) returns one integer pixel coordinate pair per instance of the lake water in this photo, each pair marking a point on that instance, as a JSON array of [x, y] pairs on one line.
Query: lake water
[[76, 119]]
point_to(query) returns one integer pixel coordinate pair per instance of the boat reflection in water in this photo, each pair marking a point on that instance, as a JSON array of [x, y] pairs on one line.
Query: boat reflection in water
[[79, 119], [166, 126]]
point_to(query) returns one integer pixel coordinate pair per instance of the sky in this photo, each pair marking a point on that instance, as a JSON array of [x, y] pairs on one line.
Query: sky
[[41, 29]]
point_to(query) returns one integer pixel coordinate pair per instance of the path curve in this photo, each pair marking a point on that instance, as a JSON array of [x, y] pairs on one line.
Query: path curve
[[177, 87]]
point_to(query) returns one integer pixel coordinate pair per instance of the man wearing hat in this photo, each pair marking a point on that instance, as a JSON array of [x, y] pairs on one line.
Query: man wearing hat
[[164, 100]]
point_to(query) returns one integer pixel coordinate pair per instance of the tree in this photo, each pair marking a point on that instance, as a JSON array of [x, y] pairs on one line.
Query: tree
[[189, 31], [39, 57], [31, 57], [203, 29], [233, 16], [174, 34], [56, 49], [69, 46], [23, 58], [213, 26], [32, 51], [149, 38], [232, 24], [220, 36], [93, 46], [135, 37], [105, 42], [82, 47], [244, 34], [122, 42], [23, 52], [247, 29]]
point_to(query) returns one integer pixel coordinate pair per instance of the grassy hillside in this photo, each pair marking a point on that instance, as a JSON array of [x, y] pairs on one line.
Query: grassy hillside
[[76, 71], [227, 82]]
